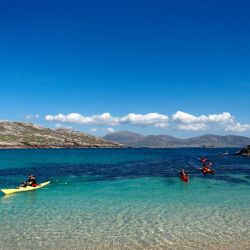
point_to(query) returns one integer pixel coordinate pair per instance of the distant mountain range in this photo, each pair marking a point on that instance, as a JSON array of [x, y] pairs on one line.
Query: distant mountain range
[[28, 135], [165, 141]]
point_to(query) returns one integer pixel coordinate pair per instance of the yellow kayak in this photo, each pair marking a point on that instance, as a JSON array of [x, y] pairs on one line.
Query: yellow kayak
[[24, 189]]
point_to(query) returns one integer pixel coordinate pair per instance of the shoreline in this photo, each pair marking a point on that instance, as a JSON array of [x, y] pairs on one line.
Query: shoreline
[[107, 147], [52, 147]]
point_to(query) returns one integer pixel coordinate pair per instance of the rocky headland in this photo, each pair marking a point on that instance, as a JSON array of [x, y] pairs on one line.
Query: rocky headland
[[28, 135], [245, 151]]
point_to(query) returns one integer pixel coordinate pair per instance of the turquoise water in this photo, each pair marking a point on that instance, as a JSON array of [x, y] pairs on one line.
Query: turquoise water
[[125, 199]]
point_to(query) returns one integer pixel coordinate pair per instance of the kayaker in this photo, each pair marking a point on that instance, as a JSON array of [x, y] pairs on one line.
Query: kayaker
[[207, 168], [203, 160], [182, 173], [30, 182], [33, 181]]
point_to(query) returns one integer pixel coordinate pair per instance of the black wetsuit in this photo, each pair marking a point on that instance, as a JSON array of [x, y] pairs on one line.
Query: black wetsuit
[[182, 174], [31, 181]]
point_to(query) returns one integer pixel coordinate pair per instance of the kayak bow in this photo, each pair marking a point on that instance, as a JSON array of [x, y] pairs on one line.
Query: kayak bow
[[24, 189], [184, 178], [208, 171]]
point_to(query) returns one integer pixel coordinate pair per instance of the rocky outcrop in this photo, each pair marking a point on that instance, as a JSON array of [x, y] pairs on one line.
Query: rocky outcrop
[[245, 151], [28, 135]]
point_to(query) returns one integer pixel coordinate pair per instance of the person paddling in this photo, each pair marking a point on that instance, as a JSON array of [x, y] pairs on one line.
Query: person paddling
[[30, 182], [182, 173], [207, 168], [203, 161]]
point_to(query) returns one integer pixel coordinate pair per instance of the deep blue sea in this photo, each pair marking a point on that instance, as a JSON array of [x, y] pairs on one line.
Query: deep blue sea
[[125, 199]]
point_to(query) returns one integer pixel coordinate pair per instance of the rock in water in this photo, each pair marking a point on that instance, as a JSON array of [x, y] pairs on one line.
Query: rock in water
[[245, 151]]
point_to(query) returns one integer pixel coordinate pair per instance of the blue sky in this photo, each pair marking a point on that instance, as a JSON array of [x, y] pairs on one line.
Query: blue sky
[[125, 57]]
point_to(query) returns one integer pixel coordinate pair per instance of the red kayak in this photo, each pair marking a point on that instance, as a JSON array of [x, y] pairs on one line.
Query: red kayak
[[184, 178], [208, 171]]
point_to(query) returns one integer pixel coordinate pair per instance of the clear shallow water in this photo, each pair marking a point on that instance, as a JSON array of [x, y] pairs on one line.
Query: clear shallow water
[[125, 199]]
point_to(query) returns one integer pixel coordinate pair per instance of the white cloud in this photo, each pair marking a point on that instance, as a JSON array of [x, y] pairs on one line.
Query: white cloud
[[110, 130], [180, 120], [187, 118], [224, 121], [161, 125], [103, 119], [154, 119], [30, 117], [93, 130], [58, 125], [237, 127], [192, 127], [225, 117]]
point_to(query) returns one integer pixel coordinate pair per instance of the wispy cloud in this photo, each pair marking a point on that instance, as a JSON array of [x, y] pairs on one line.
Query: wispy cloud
[[58, 125], [237, 127], [110, 130], [31, 117], [192, 127]]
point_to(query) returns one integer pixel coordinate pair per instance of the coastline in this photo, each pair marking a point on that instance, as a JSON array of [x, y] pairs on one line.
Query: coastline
[[106, 147], [58, 147]]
